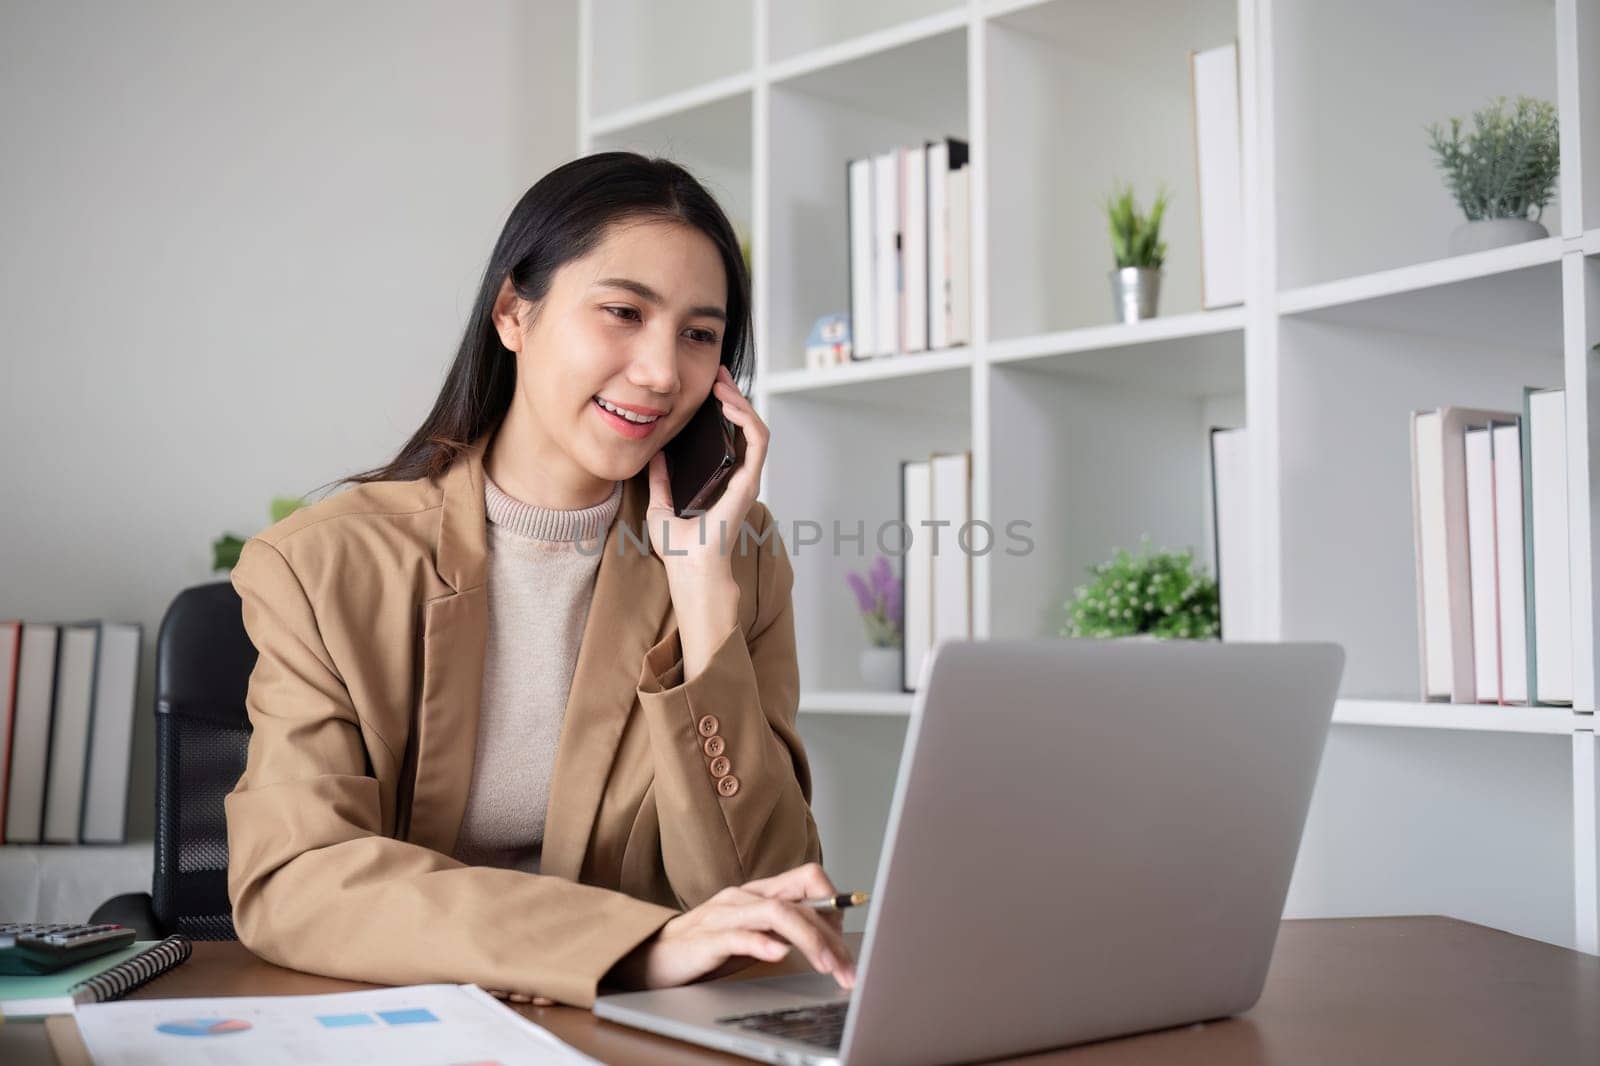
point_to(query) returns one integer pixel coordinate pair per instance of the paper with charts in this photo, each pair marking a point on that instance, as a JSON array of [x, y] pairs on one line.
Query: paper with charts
[[416, 1025]]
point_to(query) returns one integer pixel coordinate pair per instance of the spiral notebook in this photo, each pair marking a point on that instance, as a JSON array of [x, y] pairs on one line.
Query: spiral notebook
[[110, 976]]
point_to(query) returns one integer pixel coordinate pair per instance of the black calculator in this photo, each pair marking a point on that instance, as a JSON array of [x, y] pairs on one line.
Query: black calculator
[[30, 948]]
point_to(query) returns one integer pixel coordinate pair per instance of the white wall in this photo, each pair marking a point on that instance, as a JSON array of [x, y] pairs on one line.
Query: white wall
[[238, 242]]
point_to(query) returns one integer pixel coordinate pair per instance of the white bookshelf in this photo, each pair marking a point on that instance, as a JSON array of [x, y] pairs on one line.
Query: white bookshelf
[[1095, 431]]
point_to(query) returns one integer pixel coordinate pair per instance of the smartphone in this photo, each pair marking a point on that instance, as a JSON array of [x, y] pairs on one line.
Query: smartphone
[[701, 458]]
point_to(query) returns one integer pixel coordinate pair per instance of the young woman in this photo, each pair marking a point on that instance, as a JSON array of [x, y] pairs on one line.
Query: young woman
[[514, 722]]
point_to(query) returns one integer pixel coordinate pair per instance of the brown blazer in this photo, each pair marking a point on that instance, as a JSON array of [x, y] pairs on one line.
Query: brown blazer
[[369, 613]]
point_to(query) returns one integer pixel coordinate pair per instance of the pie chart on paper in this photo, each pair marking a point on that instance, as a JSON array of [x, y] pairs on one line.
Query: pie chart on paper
[[203, 1026]]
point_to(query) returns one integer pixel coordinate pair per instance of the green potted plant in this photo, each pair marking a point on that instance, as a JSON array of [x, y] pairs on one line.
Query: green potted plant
[[1501, 172], [1139, 251], [1154, 595], [225, 549]]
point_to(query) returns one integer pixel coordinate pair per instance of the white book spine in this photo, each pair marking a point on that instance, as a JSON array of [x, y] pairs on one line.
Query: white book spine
[[917, 587], [1508, 549], [939, 244], [863, 305], [105, 807], [30, 739], [1481, 558], [886, 215], [69, 733], [1552, 582], [961, 256], [915, 242], [1215, 74], [10, 665], [1433, 598], [1235, 569]]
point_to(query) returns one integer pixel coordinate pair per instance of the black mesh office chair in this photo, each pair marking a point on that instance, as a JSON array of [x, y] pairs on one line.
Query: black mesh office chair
[[203, 663]]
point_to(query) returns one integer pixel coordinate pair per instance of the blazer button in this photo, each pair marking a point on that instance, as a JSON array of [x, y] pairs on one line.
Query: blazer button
[[728, 785], [715, 746], [720, 766], [708, 725]]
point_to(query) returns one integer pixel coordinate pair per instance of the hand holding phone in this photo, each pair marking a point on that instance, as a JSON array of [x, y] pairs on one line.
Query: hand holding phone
[[701, 458]]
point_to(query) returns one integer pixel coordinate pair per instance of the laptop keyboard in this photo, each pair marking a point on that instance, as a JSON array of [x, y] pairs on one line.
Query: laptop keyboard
[[821, 1025]]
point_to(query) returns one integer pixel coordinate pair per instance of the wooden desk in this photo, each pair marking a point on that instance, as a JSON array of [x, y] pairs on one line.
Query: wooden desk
[[1341, 991]]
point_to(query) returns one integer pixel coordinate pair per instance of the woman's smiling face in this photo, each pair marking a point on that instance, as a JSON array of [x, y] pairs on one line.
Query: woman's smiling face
[[636, 325]]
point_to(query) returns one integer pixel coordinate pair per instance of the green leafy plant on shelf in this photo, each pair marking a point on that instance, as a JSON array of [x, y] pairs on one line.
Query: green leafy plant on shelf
[[1136, 236], [1507, 165], [225, 549], [1164, 594]]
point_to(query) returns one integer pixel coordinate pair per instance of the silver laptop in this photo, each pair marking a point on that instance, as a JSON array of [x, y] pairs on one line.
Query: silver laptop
[[1087, 839]]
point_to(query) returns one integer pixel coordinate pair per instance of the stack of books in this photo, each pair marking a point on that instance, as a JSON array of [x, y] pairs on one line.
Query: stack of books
[[1494, 598], [936, 507], [67, 693], [910, 263]]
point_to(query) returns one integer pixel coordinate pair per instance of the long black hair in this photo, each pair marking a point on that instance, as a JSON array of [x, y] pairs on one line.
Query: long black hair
[[563, 217]]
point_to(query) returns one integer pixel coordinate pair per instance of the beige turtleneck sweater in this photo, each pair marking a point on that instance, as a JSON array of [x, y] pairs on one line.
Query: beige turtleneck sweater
[[540, 586]]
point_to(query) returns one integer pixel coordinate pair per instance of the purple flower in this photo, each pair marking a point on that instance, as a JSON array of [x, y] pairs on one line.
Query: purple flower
[[881, 576], [892, 603], [864, 597]]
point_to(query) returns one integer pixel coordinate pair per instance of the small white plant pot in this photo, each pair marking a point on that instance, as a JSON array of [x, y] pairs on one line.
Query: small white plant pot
[[1486, 233], [880, 669]]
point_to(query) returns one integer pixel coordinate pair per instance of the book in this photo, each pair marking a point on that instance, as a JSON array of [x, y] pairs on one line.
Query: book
[[1214, 79], [1443, 565], [916, 584], [1481, 560], [106, 977], [1550, 587], [960, 192], [951, 508], [69, 731], [944, 158], [10, 666], [914, 244], [886, 252], [863, 261], [1230, 508], [105, 797], [30, 739], [1510, 581]]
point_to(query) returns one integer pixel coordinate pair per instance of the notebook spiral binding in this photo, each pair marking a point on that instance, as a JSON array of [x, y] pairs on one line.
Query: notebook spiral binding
[[129, 974]]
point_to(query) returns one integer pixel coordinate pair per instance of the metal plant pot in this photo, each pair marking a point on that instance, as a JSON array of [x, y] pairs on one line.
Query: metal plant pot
[[1135, 291]]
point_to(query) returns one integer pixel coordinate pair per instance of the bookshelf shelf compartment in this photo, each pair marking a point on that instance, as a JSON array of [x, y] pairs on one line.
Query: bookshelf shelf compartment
[[834, 465], [904, 96], [1055, 157], [711, 139], [641, 51], [1356, 85]]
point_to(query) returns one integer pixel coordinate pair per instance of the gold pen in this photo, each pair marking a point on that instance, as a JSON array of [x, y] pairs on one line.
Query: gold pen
[[839, 902]]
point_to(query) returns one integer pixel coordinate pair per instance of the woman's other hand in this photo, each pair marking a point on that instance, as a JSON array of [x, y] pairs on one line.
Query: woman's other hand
[[757, 921]]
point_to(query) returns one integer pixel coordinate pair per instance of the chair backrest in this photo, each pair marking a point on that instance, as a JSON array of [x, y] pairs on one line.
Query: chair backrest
[[203, 663]]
